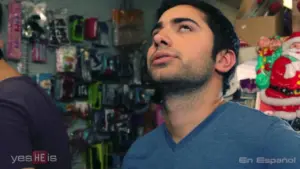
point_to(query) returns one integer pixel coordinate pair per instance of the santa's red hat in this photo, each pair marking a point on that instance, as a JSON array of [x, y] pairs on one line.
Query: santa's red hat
[[295, 37]]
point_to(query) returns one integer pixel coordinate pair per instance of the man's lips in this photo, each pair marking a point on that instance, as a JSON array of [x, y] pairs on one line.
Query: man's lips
[[162, 57]]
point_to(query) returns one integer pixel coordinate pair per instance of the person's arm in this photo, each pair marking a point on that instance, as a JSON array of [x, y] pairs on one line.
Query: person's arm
[[15, 143], [282, 147]]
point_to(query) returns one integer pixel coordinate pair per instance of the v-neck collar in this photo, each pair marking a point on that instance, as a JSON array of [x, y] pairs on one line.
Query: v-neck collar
[[175, 146]]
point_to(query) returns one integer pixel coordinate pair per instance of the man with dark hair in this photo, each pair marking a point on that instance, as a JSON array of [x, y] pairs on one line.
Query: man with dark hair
[[192, 58], [33, 135]]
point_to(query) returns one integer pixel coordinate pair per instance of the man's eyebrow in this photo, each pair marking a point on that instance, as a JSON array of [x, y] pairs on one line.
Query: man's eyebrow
[[158, 25], [179, 20]]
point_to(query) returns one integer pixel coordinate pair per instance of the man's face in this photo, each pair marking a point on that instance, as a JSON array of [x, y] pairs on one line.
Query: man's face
[[182, 47]]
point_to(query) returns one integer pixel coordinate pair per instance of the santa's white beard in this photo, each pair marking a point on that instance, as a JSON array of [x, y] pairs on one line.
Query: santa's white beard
[[294, 53]]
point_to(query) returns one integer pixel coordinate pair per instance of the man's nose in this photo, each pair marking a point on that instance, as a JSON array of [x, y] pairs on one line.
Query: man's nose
[[162, 39]]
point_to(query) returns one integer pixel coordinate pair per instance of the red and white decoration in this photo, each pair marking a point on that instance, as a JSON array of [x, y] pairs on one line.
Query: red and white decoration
[[284, 91]]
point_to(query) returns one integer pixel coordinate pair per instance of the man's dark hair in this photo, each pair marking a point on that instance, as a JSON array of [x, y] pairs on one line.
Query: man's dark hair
[[225, 37]]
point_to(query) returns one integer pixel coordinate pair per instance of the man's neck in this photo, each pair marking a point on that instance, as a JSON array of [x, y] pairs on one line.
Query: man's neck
[[184, 113], [6, 71]]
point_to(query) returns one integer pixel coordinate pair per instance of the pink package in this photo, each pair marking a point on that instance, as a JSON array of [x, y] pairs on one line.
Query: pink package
[[14, 50], [39, 52]]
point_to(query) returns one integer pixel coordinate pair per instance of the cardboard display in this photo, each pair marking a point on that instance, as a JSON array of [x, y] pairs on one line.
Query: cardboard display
[[251, 29]]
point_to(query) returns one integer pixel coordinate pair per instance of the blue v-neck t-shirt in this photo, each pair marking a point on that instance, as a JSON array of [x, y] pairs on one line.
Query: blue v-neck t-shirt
[[232, 137]]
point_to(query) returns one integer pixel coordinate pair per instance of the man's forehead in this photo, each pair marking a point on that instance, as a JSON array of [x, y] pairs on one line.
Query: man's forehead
[[182, 11]]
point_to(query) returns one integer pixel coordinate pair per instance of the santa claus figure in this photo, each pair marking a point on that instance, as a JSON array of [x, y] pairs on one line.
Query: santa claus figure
[[283, 93]]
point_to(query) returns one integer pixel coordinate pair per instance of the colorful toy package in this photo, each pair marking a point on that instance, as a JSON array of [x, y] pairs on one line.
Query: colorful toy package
[[44, 80], [66, 59]]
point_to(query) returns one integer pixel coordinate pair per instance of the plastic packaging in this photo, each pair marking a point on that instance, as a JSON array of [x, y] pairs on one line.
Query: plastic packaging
[[76, 30], [14, 49], [58, 28], [39, 52], [66, 59], [34, 20]]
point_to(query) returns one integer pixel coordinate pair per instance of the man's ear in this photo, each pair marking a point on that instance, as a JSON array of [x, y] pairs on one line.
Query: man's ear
[[225, 60]]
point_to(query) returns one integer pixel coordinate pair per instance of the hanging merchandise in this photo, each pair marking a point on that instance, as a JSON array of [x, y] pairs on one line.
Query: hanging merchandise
[[110, 65], [103, 39], [92, 136], [81, 109], [58, 28], [66, 59], [112, 94], [136, 58], [141, 96], [44, 80], [65, 108], [34, 21], [125, 98], [76, 24], [103, 64], [90, 30], [128, 26], [23, 63], [109, 115], [84, 64], [96, 60], [119, 124], [125, 67], [81, 91], [39, 52], [77, 144], [34, 29], [97, 156], [14, 51], [282, 95], [98, 120], [64, 88], [95, 95]]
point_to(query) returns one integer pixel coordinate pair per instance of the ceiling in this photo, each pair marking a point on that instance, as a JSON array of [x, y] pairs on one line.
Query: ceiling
[[232, 3]]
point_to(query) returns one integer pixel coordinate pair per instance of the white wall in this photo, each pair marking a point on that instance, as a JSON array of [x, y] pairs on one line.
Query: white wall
[[228, 11]]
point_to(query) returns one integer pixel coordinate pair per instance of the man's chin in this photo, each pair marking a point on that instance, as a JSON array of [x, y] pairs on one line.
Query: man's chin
[[164, 79], [164, 74]]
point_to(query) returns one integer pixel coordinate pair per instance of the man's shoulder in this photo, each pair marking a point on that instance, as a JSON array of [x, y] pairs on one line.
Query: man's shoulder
[[23, 93], [247, 119], [21, 85], [236, 110]]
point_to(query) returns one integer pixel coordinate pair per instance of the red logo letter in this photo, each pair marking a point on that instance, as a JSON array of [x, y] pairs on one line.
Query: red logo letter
[[39, 157]]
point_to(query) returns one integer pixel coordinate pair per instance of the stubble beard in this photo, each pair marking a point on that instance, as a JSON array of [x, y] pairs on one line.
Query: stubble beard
[[184, 83]]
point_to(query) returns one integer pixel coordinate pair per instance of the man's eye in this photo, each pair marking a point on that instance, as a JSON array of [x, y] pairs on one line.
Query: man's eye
[[184, 28], [154, 33]]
